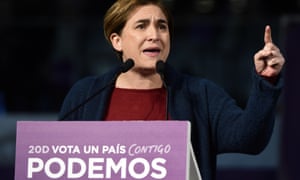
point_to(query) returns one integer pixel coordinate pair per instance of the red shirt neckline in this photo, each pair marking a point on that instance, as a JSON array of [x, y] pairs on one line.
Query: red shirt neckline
[[137, 104]]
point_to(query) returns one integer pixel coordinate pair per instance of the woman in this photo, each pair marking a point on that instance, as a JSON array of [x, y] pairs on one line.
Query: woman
[[142, 30]]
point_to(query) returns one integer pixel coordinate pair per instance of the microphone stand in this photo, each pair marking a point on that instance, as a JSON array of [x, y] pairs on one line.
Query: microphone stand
[[160, 69], [128, 64]]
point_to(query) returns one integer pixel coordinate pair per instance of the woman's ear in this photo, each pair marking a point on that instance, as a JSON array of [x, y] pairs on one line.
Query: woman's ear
[[116, 41]]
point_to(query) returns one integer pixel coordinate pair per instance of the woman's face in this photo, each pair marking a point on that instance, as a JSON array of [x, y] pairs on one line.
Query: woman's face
[[145, 37]]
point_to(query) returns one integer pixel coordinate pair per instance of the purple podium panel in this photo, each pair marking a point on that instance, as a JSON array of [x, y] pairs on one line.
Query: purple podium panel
[[80, 150]]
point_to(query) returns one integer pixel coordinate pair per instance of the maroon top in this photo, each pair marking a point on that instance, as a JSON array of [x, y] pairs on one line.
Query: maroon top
[[137, 104]]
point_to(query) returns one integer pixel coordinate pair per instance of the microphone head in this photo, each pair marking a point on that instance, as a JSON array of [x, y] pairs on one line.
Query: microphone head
[[160, 67], [128, 64]]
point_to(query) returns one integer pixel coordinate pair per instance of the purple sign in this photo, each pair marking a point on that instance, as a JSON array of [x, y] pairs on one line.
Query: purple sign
[[102, 150]]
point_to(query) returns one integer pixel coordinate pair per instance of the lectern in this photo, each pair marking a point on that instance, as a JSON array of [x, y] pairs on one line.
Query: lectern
[[130, 150]]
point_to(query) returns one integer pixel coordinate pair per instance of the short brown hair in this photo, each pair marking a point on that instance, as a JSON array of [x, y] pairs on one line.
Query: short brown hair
[[117, 16]]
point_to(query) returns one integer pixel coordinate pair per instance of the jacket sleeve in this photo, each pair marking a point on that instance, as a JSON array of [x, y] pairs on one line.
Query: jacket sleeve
[[243, 130]]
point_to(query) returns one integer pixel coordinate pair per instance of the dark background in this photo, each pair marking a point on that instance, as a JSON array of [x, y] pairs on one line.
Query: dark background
[[47, 45]]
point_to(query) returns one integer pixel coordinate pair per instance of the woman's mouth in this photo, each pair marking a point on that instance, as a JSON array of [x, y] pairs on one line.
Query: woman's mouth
[[152, 52]]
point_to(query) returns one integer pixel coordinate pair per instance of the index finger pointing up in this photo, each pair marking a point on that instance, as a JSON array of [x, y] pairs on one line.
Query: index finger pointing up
[[268, 36]]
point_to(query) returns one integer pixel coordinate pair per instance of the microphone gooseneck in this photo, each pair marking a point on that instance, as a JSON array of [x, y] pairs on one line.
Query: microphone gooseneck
[[160, 69], [124, 67]]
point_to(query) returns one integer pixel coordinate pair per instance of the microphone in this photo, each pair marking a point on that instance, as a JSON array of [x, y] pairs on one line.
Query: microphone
[[124, 67], [128, 64], [160, 69]]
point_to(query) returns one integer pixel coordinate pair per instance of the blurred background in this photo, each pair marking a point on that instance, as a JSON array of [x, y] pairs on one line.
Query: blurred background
[[47, 45]]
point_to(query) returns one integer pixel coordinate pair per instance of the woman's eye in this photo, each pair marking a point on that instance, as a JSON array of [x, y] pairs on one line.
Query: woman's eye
[[140, 26], [163, 27]]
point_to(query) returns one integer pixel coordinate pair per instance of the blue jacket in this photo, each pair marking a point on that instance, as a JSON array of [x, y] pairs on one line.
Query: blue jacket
[[218, 124]]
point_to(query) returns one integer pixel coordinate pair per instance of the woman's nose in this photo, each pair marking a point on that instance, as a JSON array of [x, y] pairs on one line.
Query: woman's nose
[[153, 34]]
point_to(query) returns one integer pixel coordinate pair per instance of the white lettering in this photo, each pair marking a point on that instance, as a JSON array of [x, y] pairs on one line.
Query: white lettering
[[81, 172], [162, 171], [132, 171], [117, 149], [135, 149], [61, 169], [121, 165], [68, 149], [94, 167], [91, 149], [97, 168], [34, 165]]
